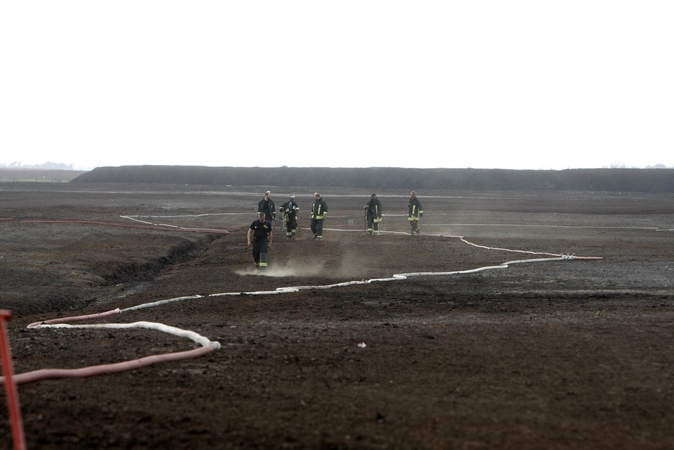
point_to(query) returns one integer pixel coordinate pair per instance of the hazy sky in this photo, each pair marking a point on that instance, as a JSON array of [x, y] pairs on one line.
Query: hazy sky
[[484, 84]]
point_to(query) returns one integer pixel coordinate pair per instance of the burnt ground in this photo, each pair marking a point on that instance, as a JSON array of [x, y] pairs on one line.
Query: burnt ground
[[556, 354]]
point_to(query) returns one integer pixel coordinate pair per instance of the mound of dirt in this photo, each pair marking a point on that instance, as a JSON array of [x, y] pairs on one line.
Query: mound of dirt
[[391, 178]]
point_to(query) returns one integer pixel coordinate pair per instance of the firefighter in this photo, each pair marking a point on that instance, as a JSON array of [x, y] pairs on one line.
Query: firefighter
[[266, 206], [260, 237], [319, 211], [415, 212], [289, 211], [373, 214]]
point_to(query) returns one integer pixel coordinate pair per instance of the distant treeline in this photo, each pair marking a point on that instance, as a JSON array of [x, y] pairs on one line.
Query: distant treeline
[[49, 165], [624, 180], [21, 175]]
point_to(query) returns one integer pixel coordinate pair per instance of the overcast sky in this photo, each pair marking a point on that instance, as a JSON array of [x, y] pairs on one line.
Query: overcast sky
[[483, 84]]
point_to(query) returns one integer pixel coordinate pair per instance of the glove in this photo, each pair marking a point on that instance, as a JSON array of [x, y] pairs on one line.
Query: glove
[[281, 209], [421, 214]]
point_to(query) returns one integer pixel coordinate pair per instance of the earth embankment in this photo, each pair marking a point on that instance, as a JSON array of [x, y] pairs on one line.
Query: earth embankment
[[623, 180]]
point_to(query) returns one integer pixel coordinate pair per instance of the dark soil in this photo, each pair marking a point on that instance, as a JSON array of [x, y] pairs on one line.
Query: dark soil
[[554, 354]]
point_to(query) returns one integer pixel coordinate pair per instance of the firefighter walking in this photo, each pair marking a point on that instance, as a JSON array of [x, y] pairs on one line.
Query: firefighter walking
[[319, 211], [373, 215], [266, 206], [415, 212], [289, 211], [260, 237]]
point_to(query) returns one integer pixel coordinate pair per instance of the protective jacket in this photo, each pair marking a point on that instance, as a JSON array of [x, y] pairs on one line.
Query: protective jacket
[[319, 210], [374, 210], [415, 209], [289, 210], [267, 207]]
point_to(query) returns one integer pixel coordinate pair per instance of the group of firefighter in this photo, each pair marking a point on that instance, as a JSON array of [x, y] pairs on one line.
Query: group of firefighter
[[260, 234]]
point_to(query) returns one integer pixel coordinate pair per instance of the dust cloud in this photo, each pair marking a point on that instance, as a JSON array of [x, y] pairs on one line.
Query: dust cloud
[[350, 265], [289, 269]]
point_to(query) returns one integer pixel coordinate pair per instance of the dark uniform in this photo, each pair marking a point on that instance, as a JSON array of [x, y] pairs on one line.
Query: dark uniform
[[373, 214], [415, 212], [319, 211], [261, 232], [289, 210], [266, 206]]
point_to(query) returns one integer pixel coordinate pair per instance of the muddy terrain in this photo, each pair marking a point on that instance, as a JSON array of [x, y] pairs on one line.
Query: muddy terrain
[[443, 340]]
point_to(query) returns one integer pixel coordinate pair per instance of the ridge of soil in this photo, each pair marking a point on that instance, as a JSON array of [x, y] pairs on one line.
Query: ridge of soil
[[391, 178]]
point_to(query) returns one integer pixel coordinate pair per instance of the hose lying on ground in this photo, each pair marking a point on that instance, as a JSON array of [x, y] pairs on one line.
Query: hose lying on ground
[[207, 346]]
